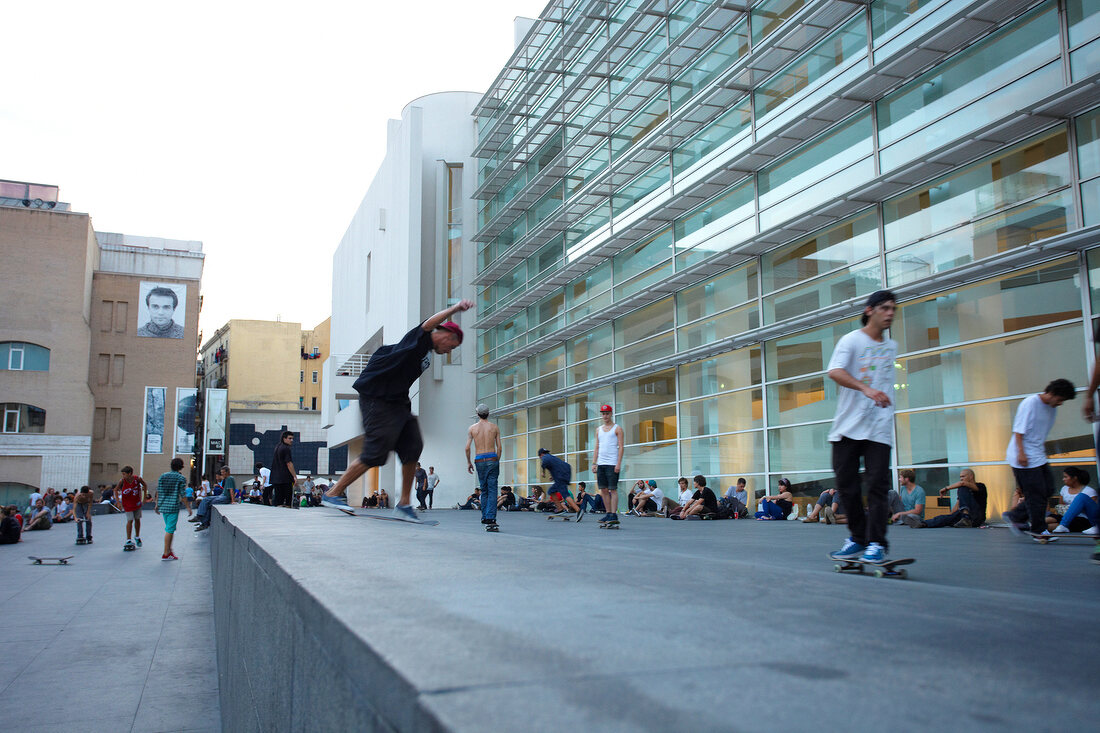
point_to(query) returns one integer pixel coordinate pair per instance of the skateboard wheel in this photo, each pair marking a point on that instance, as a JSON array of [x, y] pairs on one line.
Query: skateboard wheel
[[37, 562], [836, 568], [879, 574], [902, 574]]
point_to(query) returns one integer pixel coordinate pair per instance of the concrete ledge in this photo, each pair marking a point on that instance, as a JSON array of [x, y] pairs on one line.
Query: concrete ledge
[[330, 623]]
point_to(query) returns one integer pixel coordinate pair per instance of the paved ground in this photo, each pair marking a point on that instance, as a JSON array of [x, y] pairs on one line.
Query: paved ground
[[734, 625], [115, 641]]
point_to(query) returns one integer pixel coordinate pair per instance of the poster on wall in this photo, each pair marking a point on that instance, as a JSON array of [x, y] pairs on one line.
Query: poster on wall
[[162, 310], [216, 400], [153, 439], [185, 420]]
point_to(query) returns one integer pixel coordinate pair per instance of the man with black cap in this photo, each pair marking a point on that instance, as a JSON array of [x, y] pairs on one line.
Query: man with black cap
[[863, 368], [485, 437], [388, 422]]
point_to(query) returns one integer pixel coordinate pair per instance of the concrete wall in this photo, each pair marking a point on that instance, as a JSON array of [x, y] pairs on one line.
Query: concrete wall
[[285, 662]]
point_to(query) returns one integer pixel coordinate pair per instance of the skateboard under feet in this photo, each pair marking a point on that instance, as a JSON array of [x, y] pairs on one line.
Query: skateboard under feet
[[613, 524], [492, 527], [1046, 539], [878, 569]]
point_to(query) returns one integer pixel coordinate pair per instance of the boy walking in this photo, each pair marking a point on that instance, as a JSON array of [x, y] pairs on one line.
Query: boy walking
[[1027, 455], [132, 491], [169, 493], [863, 368], [485, 437]]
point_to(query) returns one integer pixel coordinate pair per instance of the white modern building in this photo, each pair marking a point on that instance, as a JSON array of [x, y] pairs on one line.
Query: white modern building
[[403, 258]]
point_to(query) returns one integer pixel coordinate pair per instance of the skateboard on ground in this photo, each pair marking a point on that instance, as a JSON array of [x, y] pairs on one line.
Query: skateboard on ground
[[1046, 539], [562, 517], [128, 547], [879, 569], [492, 527], [46, 560], [613, 524]]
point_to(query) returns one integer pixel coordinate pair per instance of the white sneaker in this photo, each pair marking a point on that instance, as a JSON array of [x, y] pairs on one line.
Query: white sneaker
[[1093, 530], [1059, 529]]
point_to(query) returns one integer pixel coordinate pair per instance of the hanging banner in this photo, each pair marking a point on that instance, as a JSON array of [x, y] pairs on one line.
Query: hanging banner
[[153, 439], [185, 420], [216, 400]]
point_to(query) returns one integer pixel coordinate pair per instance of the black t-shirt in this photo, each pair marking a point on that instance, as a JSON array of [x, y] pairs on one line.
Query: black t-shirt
[[421, 478], [393, 368], [710, 501], [9, 530], [280, 474]]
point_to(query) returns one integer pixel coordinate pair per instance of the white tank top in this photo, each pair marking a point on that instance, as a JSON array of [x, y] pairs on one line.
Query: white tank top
[[608, 454]]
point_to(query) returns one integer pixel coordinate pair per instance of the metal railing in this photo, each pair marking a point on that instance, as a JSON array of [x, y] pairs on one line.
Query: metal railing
[[350, 364]]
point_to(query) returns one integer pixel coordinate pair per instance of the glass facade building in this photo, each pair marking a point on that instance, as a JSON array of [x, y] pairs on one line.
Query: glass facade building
[[682, 205]]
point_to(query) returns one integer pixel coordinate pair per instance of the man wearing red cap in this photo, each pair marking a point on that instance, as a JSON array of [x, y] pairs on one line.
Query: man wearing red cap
[[388, 422], [607, 461]]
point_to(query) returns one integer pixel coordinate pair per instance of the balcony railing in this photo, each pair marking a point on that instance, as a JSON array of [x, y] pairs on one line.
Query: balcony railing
[[350, 364]]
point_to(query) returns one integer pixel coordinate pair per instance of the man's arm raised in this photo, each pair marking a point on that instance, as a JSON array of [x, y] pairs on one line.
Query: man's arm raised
[[432, 323]]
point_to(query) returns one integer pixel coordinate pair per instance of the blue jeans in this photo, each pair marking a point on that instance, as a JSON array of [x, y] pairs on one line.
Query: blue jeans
[[487, 473], [204, 506], [769, 509], [1081, 504], [591, 503]]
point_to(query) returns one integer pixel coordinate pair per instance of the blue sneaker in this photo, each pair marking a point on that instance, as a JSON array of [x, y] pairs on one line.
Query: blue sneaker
[[852, 550], [875, 553], [336, 502], [405, 513], [606, 517]]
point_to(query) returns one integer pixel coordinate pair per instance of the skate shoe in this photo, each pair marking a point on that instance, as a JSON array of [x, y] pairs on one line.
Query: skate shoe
[[875, 553], [405, 513], [1016, 528], [852, 550], [336, 502]]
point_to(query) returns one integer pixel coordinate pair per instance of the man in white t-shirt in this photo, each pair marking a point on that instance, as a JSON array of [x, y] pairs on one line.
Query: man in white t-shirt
[[863, 368], [264, 476], [1027, 454]]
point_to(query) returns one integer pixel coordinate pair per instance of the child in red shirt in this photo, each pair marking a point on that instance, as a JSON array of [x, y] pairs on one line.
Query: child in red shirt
[[132, 492]]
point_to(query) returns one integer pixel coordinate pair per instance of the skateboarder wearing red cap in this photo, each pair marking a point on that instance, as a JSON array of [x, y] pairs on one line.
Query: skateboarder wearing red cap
[[388, 422], [607, 461]]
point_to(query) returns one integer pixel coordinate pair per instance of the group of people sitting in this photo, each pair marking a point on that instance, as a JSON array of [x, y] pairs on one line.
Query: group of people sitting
[[379, 499]]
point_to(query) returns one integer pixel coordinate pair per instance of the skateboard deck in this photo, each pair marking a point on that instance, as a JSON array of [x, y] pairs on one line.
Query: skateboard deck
[[878, 569], [385, 518], [560, 517], [46, 560], [492, 527], [613, 524], [1046, 539]]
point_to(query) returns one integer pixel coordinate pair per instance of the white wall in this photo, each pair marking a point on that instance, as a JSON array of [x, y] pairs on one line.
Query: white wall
[[404, 287]]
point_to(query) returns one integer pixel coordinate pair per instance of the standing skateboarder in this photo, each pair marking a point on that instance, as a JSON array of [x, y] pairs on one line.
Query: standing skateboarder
[[863, 368], [388, 422], [607, 461], [132, 490], [488, 450]]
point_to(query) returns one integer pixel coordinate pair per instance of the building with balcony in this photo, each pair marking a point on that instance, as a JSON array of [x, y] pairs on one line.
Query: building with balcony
[[403, 258], [682, 206]]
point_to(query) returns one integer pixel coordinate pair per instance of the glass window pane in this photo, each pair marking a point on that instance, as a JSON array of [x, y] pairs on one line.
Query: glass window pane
[[1088, 143], [587, 406], [1084, 61], [1028, 170], [801, 448], [649, 461], [731, 288], [885, 14], [848, 283], [732, 370], [1025, 299], [548, 361], [990, 369], [512, 423], [832, 152], [714, 216], [802, 400], [1093, 260], [644, 351], [1014, 228], [724, 325], [1083, 17], [633, 327], [726, 413], [1090, 201], [593, 343], [969, 75], [592, 369], [805, 352], [769, 15], [724, 454], [648, 391], [827, 250], [731, 124], [711, 63], [649, 426]]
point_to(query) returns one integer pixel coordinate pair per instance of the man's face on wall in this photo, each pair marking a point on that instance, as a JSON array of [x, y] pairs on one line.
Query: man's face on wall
[[161, 310]]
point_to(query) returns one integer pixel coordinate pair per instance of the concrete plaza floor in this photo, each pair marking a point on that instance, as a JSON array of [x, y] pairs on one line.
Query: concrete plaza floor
[[113, 642], [662, 625]]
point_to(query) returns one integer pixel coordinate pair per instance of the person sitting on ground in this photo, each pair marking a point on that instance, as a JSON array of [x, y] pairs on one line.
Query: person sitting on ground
[[969, 509], [383, 499], [369, 500], [675, 509], [63, 511], [17, 514], [828, 508], [224, 496], [703, 501], [473, 501], [649, 500], [107, 496], [506, 502], [735, 501], [632, 496], [9, 526], [39, 517], [1079, 500], [588, 502], [739, 492], [907, 503], [778, 505]]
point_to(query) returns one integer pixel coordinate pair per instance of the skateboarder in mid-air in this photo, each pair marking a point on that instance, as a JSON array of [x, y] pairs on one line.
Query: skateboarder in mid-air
[[388, 422], [863, 368], [485, 437]]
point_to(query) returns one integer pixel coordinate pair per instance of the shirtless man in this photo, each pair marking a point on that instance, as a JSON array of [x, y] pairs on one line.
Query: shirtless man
[[485, 437]]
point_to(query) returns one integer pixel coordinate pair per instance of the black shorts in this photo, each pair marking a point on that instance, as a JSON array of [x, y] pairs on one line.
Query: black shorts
[[649, 506], [389, 427], [607, 477]]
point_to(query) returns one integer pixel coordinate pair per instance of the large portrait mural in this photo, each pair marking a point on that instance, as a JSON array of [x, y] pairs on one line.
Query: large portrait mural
[[162, 310]]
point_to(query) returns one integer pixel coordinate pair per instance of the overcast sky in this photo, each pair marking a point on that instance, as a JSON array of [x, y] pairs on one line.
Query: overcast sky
[[254, 127]]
